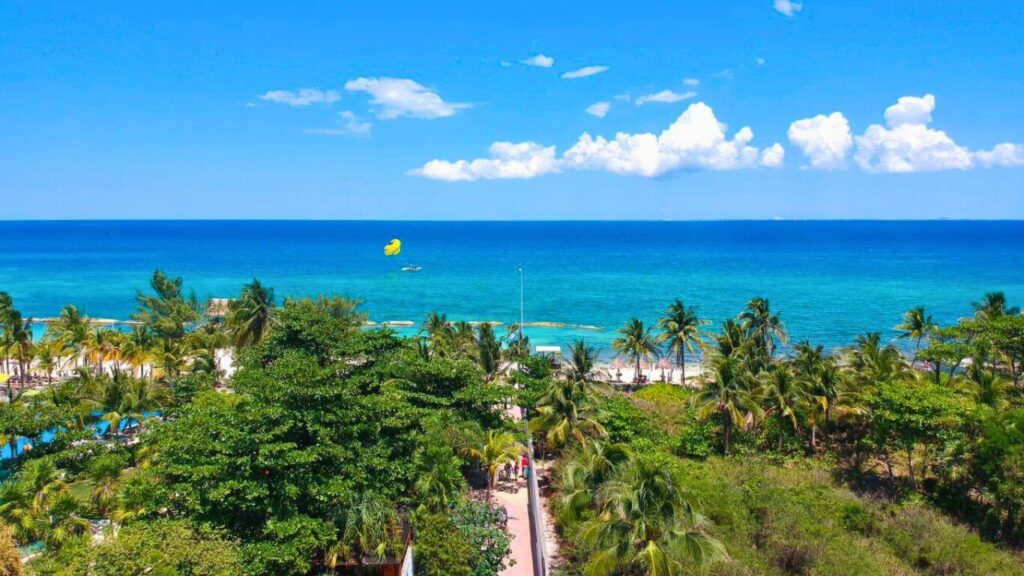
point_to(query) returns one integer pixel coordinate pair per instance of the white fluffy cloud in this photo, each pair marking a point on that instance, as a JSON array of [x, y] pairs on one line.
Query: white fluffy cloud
[[909, 148], [508, 160], [910, 110], [302, 97], [772, 156], [695, 141], [665, 97], [599, 109], [1002, 155], [824, 140], [584, 72], [908, 144], [398, 97], [691, 81], [539, 60], [788, 7]]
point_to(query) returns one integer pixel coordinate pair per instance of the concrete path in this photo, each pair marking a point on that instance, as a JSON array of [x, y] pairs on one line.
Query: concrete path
[[516, 505]]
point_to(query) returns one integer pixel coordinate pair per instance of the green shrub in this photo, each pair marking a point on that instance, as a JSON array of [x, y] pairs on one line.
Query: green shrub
[[625, 422], [663, 393], [695, 440], [490, 540], [468, 541], [858, 518], [441, 549], [160, 548]]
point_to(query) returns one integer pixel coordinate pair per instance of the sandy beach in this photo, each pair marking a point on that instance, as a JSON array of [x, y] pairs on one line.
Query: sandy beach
[[618, 371]]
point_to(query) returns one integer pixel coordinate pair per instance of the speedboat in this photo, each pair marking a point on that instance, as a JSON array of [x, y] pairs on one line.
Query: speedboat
[[411, 268]]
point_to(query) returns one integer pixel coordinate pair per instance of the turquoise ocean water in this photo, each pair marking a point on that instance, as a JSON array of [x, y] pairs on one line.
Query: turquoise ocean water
[[831, 280]]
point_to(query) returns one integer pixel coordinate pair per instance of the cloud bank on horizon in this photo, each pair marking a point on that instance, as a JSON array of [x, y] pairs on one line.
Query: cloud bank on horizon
[[906, 143], [698, 141], [695, 141]]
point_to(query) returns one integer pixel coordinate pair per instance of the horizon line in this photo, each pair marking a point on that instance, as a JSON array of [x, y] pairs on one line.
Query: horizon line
[[489, 220]]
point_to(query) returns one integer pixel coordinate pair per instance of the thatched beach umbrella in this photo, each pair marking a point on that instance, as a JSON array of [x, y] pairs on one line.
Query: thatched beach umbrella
[[617, 364], [663, 364]]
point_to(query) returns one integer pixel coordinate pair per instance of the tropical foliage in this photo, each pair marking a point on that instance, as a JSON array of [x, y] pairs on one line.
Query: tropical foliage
[[297, 440], [292, 438]]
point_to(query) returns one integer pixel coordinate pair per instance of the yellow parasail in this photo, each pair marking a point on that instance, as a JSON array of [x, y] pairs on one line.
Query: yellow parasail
[[394, 248]]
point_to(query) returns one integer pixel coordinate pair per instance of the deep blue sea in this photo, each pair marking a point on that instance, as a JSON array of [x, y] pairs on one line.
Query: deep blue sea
[[831, 280]]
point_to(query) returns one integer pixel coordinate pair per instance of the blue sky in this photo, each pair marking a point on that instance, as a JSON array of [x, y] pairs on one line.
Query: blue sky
[[360, 110]]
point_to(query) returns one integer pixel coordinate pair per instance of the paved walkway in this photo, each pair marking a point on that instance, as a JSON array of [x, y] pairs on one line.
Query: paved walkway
[[516, 505]]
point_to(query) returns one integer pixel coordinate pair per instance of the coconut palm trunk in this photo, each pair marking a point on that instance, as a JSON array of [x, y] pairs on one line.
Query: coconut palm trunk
[[727, 433], [682, 365]]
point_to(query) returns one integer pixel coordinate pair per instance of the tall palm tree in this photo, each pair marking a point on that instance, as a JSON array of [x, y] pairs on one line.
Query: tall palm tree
[[806, 358], [170, 358], [488, 354], [646, 524], [567, 412], [498, 448], [48, 357], [464, 341], [828, 388], [136, 350], [435, 325], [784, 397], [580, 477], [726, 392], [15, 339], [917, 325], [100, 345], [993, 306], [249, 317], [733, 340], [142, 398], [110, 399], [636, 341], [579, 365], [873, 363], [764, 326], [72, 328], [71, 401], [6, 305], [988, 388], [439, 480], [6, 311], [518, 343], [682, 332], [19, 343]]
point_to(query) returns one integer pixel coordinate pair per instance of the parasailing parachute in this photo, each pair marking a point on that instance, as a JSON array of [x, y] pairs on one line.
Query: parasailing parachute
[[394, 248]]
